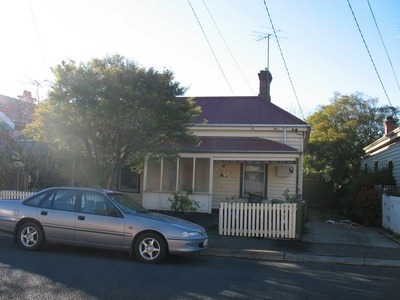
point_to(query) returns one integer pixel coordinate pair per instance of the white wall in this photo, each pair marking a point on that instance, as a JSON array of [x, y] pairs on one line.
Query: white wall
[[391, 213]]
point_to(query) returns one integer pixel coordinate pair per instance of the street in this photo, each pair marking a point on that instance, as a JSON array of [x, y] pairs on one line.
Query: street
[[65, 272]]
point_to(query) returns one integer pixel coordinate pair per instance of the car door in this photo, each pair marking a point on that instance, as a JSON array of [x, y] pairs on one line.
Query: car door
[[99, 222], [57, 215]]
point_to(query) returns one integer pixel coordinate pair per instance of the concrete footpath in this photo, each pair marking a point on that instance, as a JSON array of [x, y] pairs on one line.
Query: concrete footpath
[[326, 241]]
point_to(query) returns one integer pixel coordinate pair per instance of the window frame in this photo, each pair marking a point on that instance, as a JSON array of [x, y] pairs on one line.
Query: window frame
[[243, 179]]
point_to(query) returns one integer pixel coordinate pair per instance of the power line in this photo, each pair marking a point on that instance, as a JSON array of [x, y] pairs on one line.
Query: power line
[[38, 34], [384, 46], [209, 45], [284, 61], [229, 50], [369, 53], [208, 42]]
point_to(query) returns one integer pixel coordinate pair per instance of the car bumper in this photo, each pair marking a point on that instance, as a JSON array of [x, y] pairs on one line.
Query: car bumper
[[177, 246]]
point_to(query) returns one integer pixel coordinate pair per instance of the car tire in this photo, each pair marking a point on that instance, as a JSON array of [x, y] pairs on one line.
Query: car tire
[[30, 236], [150, 248]]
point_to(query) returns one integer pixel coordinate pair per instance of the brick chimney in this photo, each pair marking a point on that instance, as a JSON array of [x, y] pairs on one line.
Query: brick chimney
[[390, 124], [265, 84]]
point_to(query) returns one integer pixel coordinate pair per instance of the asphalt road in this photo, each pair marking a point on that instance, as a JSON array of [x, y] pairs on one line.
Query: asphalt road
[[61, 272]]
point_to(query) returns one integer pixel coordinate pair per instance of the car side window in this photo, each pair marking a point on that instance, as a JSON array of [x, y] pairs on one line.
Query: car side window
[[98, 204], [35, 200], [62, 200]]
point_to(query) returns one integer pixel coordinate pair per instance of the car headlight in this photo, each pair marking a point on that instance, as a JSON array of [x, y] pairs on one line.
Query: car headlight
[[191, 234]]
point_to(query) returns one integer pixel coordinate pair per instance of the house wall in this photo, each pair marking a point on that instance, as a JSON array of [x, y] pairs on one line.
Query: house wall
[[278, 183], [226, 170], [383, 157], [226, 182], [291, 136]]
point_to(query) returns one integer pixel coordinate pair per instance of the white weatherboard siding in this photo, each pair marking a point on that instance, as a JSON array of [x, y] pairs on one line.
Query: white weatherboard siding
[[293, 138], [383, 158], [278, 184], [227, 184]]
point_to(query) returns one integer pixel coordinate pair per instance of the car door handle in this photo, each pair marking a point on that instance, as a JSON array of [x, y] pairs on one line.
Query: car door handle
[[44, 213], [81, 218]]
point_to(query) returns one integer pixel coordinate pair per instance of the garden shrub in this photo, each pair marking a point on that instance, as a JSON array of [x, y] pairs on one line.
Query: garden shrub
[[367, 207], [183, 203]]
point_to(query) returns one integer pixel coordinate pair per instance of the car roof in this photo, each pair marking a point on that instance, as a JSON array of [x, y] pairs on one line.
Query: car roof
[[80, 189]]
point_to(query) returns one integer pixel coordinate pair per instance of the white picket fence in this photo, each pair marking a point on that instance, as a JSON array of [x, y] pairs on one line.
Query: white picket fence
[[258, 220], [8, 194]]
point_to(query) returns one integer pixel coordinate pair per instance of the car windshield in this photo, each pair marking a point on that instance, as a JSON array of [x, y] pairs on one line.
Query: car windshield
[[126, 203]]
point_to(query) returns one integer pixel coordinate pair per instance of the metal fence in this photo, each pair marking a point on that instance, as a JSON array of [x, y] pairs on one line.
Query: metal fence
[[258, 220], [13, 195]]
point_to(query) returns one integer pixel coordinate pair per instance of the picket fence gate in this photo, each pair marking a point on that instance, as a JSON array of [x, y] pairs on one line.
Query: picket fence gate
[[14, 195], [258, 220]]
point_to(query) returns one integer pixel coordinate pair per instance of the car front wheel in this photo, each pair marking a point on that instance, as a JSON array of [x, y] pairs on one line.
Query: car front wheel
[[150, 248], [30, 236]]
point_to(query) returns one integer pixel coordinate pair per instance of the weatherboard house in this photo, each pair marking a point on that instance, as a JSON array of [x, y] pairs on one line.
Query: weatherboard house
[[384, 153], [248, 146]]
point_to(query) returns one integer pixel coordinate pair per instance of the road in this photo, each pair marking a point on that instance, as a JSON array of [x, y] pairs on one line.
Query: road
[[62, 272]]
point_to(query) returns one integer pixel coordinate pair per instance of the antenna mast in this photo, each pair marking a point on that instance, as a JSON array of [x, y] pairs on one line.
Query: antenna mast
[[266, 36]]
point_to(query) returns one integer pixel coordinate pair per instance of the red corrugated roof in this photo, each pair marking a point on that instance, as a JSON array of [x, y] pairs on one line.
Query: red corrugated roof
[[16, 110], [251, 110], [238, 144]]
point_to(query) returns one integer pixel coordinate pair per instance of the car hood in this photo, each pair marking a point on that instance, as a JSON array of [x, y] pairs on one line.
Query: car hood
[[171, 220]]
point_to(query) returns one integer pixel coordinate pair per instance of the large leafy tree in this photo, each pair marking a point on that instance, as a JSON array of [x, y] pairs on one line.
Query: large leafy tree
[[340, 131], [113, 111]]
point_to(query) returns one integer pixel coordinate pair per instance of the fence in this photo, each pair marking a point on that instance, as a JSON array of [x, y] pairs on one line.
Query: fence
[[7, 194], [391, 208], [258, 220]]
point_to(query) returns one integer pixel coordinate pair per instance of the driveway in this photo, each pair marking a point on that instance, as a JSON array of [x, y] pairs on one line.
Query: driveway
[[324, 230]]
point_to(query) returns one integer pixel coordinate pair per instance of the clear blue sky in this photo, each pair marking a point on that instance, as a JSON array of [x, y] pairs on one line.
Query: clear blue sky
[[320, 42]]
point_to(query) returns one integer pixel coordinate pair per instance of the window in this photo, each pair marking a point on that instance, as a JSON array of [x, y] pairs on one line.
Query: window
[[192, 174], [366, 168], [185, 174], [35, 200], [376, 166], [128, 180], [390, 165], [153, 175], [62, 200], [169, 175], [202, 175], [253, 178], [98, 204]]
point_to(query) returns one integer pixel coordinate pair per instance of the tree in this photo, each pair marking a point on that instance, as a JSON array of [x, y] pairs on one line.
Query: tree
[[340, 131], [113, 112]]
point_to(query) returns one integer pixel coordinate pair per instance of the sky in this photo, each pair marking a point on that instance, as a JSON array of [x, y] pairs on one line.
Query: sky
[[213, 47]]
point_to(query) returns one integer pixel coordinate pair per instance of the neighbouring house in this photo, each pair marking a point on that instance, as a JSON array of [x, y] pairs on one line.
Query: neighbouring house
[[14, 115], [247, 145], [384, 153]]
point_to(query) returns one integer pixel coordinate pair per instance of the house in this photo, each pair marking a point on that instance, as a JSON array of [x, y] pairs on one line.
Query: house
[[247, 145], [16, 113], [384, 153]]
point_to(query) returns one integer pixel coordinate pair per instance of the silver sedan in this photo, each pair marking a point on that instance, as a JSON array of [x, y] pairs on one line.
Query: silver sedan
[[98, 218]]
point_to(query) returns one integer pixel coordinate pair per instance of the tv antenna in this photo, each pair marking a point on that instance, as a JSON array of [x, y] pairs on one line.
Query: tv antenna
[[267, 36]]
